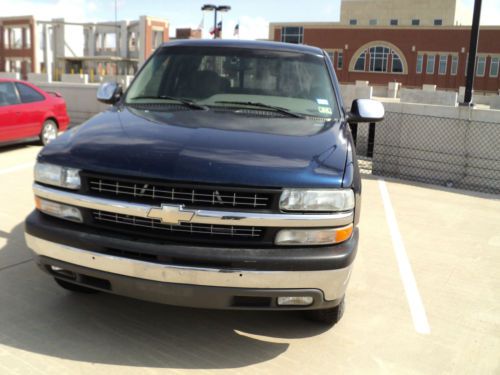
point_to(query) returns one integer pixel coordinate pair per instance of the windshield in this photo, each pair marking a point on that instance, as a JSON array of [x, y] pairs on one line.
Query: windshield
[[237, 77]]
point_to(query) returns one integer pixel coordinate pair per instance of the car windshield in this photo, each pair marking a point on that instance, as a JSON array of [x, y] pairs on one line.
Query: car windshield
[[288, 83]]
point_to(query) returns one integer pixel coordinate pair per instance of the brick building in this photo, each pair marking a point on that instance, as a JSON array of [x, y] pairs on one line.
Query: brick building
[[55, 47], [413, 48], [17, 44]]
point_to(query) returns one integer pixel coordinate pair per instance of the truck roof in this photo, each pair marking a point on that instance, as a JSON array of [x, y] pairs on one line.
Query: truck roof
[[251, 44]]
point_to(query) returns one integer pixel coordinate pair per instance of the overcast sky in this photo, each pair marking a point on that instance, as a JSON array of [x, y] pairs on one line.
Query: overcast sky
[[253, 15]]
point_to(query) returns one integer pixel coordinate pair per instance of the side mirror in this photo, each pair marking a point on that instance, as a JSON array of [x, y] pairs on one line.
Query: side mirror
[[109, 92], [365, 110]]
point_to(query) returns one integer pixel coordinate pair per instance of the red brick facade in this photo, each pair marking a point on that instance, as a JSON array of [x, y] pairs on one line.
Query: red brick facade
[[408, 41], [26, 52]]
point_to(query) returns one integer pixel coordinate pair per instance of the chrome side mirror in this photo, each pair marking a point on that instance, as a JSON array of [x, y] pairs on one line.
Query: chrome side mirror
[[109, 92], [365, 110]]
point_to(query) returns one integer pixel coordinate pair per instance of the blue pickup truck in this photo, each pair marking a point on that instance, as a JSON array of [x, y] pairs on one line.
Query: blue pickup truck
[[224, 177]]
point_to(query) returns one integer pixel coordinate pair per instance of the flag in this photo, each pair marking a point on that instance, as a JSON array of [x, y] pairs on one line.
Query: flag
[[217, 31], [236, 29]]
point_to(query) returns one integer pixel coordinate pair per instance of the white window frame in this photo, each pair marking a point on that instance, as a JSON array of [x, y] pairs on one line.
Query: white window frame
[[483, 59], [421, 59], [497, 59], [433, 64], [454, 59], [441, 59]]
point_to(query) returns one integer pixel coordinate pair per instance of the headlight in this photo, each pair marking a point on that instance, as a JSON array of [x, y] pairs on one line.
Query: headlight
[[56, 175], [62, 211], [327, 236], [317, 200]]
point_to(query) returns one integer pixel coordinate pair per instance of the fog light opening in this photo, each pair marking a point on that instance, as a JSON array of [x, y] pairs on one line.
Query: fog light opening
[[61, 272], [295, 301]]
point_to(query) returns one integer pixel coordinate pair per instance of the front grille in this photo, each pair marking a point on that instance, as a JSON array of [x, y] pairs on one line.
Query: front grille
[[191, 196], [196, 230]]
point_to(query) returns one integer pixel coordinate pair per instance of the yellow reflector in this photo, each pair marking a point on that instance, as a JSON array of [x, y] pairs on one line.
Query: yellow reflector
[[343, 234]]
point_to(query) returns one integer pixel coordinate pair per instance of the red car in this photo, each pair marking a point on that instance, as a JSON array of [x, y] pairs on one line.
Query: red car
[[28, 112]]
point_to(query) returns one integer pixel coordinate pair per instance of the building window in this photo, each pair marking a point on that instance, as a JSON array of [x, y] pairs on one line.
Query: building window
[[394, 22], [397, 64], [157, 38], [109, 41], [443, 64], [132, 41], [420, 63], [494, 64], [431, 61], [331, 55], [360, 63], [373, 22], [27, 37], [454, 65], [340, 60], [438, 22], [415, 22], [353, 22], [16, 38], [480, 66], [378, 59], [292, 35]]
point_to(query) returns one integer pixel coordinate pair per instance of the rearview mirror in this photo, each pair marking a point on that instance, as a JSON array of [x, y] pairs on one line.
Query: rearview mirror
[[365, 110], [109, 92]]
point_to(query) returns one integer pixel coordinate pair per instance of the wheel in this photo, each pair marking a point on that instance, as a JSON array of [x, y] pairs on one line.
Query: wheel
[[74, 287], [49, 132], [327, 316]]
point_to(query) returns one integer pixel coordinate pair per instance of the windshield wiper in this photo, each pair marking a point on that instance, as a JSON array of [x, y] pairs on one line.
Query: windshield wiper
[[186, 102], [281, 110]]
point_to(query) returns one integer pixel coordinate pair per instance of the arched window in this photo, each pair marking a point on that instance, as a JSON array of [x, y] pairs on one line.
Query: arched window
[[378, 58], [397, 64], [360, 62]]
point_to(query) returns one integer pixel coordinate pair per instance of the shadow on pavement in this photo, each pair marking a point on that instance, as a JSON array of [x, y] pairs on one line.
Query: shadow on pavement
[[40, 317]]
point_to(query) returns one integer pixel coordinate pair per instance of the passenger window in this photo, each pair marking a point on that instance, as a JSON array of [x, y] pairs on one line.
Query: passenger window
[[28, 95], [8, 95]]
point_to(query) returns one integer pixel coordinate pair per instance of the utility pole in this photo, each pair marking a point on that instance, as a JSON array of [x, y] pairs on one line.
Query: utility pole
[[471, 64]]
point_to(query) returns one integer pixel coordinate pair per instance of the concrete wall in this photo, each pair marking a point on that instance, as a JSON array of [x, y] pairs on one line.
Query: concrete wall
[[80, 99], [8, 75], [449, 146]]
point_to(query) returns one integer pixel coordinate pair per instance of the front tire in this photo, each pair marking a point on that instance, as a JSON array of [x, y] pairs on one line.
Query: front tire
[[49, 132], [74, 287], [329, 316]]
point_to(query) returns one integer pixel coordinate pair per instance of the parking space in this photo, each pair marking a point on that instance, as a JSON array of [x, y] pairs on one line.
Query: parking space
[[424, 298]]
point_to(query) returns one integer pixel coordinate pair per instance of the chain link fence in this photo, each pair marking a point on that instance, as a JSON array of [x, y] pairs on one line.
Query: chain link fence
[[443, 151]]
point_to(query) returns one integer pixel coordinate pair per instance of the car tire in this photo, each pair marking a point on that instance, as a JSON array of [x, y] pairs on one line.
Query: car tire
[[329, 316], [49, 132], [74, 287]]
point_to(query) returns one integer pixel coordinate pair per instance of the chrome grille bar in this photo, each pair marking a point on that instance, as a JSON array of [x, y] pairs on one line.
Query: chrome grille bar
[[216, 217], [204, 229]]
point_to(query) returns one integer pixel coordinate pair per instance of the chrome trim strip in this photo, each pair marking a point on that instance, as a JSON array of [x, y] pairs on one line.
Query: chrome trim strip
[[332, 282], [252, 219]]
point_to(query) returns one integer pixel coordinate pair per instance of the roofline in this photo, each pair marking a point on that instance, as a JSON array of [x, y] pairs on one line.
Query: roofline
[[338, 25]]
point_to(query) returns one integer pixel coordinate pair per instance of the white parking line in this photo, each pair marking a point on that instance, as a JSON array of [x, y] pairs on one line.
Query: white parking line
[[410, 285], [16, 168]]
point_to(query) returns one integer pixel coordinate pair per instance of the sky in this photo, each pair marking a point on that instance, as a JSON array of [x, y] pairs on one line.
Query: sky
[[253, 16]]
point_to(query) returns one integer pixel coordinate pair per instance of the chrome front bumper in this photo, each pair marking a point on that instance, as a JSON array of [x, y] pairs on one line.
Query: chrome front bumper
[[332, 283]]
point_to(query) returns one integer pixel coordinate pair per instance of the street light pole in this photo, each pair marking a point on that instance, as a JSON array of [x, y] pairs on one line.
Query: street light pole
[[471, 64], [215, 8]]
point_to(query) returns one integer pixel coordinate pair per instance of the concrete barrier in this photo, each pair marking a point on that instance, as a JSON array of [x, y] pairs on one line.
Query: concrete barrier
[[447, 98], [351, 92], [38, 77], [123, 80], [8, 75], [75, 78], [393, 89], [495, 102], [429, 87], [80, 99]]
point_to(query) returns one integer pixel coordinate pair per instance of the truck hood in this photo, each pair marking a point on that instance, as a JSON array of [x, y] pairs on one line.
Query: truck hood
[[207, 147]]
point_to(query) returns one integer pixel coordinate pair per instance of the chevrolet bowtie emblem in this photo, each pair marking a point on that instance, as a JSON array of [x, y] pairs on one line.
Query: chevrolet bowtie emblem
[[171, 214]]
